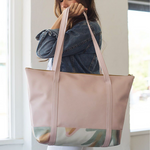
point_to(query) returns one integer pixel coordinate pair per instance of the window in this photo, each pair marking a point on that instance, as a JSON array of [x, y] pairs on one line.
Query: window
[[4, 69], [11, 99], [139, 64]]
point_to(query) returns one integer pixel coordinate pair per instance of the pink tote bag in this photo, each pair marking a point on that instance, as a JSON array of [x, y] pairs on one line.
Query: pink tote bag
[[77, 109]]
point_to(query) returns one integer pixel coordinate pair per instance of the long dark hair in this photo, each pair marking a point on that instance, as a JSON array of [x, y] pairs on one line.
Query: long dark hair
[[91, 14]]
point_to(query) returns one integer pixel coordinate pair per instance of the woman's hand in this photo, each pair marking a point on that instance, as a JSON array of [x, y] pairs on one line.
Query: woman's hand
[[76, 9]]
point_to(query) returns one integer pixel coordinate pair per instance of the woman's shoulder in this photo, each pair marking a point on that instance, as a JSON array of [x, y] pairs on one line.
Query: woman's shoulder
[[93, 24]]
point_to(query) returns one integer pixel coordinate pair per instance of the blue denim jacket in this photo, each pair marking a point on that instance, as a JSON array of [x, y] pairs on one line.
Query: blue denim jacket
[[78, 53]]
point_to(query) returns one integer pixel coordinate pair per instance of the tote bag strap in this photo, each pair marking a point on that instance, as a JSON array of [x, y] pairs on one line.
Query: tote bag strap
[[56, 68]]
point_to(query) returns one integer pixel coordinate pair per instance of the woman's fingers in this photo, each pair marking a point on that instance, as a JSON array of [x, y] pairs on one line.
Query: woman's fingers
[[81, 11], [74, 6], [76, 9]]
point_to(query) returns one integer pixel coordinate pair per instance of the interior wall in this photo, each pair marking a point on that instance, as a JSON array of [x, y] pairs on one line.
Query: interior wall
[[140, 142]]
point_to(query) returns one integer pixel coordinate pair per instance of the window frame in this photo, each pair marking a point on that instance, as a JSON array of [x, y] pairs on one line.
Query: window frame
[[143, 3], [139, 5], [14, 57]]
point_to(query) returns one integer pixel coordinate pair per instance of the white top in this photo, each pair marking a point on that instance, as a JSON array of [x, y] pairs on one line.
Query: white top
[[49, 67], [63, 148]]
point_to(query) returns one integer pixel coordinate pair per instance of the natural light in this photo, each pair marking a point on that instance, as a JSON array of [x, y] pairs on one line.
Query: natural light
[[139, 61]]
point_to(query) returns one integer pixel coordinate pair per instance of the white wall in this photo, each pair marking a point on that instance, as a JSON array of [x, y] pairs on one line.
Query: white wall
[[39, 15], [42, 17], [140, 140]]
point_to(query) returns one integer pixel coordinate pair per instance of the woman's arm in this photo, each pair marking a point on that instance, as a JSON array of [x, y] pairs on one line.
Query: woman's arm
[[57, 23], [79, 9], [76, 40]]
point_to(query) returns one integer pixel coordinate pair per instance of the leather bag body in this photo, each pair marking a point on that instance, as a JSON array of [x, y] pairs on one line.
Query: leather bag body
[[77, 109]]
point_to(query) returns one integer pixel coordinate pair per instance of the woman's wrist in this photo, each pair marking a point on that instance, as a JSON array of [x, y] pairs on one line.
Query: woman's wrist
[[56, 25]]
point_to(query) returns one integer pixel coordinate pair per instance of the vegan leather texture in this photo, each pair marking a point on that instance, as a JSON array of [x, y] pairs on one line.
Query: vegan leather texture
[[76, 109]]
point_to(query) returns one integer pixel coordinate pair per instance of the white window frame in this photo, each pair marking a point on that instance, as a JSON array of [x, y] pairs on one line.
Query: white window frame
[[144, 131], [15, 76]]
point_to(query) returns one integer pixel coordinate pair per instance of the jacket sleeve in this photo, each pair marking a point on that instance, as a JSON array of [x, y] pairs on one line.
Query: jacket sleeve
[[76, 39]]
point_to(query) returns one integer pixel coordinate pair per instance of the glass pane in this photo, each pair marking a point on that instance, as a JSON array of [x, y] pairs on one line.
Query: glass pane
[[139, 66], [3, 71]]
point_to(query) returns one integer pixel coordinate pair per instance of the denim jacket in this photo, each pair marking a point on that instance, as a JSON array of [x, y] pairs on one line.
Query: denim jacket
[[78, 52]]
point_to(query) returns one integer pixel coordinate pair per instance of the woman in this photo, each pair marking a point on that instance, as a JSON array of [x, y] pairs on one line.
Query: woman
[[78, 53]]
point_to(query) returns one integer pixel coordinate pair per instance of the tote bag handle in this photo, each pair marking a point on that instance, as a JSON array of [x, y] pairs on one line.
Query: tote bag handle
[[60, 44], [56, 68]]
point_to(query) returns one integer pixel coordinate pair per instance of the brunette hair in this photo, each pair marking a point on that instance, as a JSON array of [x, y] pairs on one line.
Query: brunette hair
[[91, 13]]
